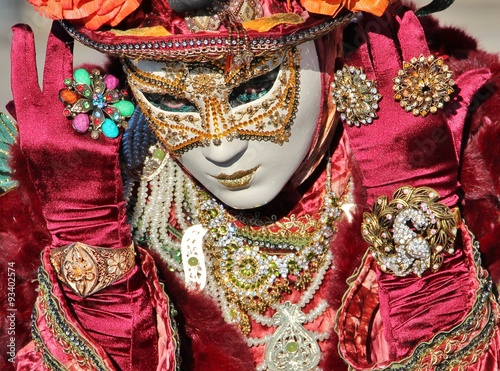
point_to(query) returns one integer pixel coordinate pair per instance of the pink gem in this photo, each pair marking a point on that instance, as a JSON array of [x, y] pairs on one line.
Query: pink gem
[[111, 82], [81, 123]]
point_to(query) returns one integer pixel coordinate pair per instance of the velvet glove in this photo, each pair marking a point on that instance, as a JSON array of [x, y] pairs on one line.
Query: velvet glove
[[79, 185], [399, 149], [77, 178]]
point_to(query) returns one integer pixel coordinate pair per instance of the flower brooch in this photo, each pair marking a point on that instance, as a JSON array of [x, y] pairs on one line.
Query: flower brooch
[[411, 233], [423, 86], [95, 104], [355, 96]]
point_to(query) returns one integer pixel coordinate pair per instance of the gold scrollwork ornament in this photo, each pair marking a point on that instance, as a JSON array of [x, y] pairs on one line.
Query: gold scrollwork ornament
[[411, 233]]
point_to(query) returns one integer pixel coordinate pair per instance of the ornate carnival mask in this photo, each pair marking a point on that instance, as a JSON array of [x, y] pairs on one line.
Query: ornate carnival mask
[[198, 104], [233, 131]]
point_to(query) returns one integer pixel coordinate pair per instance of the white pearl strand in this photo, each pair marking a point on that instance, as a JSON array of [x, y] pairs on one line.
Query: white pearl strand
[[152, 211], [304, 300]]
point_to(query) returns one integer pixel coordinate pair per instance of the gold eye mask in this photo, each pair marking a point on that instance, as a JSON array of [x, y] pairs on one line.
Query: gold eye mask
[[208, 89]]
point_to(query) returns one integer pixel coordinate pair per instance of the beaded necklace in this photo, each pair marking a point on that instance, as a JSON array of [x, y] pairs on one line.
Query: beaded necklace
[[253, 270], [245, 263]]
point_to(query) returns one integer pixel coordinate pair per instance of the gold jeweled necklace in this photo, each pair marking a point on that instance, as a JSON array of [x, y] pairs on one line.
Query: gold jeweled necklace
[[254, 266], [246, 263]]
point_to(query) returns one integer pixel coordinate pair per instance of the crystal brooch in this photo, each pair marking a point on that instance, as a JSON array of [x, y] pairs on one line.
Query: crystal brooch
[[423, 86], [355, 96]]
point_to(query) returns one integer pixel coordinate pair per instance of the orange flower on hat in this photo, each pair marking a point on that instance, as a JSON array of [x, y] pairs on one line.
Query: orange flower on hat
[[333, 7], [92, 14]]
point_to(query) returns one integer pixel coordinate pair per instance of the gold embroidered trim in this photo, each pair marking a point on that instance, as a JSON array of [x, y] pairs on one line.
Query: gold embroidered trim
[[457, 348], [73, 343], [88, 269]]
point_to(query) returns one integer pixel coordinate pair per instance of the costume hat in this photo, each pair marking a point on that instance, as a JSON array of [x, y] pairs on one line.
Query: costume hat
[[201, 30]]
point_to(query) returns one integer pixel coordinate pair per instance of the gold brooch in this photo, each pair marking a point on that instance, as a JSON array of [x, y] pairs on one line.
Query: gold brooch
[[423, 85], [411, 233], [355, 96]]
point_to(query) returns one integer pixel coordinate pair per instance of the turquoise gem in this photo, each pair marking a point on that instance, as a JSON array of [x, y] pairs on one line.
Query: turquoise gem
[[98, 101], [125, 107], [110, 129], [81, 76]]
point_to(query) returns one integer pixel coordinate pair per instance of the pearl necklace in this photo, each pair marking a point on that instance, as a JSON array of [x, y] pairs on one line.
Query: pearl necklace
[[245, 274], [254, 275]]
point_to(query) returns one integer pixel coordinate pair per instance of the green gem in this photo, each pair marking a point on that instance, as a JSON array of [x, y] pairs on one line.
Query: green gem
[[81, 76], [159, 154], [67, 82], [292, 347], [213, 213], [192, 261], [125, 107], [233, 314], [110, 129]]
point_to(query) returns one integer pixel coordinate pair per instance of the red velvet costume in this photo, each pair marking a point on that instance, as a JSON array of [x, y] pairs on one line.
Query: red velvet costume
[[454, 152]]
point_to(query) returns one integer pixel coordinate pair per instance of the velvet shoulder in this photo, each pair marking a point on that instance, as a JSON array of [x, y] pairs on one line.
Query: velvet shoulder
[[480, 171], [22, 237]]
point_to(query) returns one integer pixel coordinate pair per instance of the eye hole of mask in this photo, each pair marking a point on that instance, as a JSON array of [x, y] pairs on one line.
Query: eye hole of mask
[[170, 103], [253, 89]]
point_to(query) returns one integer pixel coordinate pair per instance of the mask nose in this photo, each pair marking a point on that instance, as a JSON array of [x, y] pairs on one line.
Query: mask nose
[[226, 153]]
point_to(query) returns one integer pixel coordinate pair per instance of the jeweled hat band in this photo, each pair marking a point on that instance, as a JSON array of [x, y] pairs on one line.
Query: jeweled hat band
[[202, 47], [205, 30]]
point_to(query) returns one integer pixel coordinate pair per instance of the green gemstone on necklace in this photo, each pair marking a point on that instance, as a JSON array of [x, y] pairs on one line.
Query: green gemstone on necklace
[[193, 261], [159, 154], [292, 347]]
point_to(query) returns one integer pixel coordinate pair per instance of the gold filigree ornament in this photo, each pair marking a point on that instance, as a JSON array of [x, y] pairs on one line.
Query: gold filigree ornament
[[208, 88], [411, 233], [291, 346], [88, 269], [423, 86], [355, 96]]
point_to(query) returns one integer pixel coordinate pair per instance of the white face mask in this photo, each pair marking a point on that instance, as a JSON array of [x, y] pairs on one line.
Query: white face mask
[[242, 173]]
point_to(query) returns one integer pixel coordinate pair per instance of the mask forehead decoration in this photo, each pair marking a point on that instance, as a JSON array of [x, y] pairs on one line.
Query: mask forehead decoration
[[198, 104]]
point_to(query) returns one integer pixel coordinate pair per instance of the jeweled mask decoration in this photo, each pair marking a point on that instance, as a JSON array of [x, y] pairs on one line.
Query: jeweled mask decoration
[[198, 104], [233, 131]]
